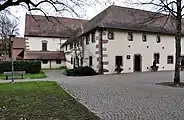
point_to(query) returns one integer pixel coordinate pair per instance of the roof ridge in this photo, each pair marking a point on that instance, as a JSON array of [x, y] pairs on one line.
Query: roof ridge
[[106, 13], [137, 9], [58, 17]]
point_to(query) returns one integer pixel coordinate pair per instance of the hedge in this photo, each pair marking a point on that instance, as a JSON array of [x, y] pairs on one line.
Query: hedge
[[81, 71], [27, 66]]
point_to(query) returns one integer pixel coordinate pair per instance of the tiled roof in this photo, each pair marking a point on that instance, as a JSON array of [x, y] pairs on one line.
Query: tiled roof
[[117, 17], [19, 42], [16, 52], [50, 55], [40, 26]]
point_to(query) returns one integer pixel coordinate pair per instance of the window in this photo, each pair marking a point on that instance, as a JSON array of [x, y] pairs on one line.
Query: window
[[45, 61], [44, 46], [158, 39], [119, 61], [71, 60], [110, 35], [170, 59], [87, 39], [93, 37], [90, 60], [144, 37], [130, 36], [157, 57], [58, 61], [128, 56]]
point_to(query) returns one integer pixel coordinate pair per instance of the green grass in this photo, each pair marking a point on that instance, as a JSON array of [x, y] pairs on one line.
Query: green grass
[[26, 76], [40, 101]]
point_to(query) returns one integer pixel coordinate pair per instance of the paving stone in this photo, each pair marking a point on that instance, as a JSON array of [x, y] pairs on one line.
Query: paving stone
[[128, 96]]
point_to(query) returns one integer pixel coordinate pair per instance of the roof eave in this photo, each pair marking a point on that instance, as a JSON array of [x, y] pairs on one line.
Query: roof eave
[[27, 35]]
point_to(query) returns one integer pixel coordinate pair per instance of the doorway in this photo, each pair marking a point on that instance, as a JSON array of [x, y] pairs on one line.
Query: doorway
[[137, 63]]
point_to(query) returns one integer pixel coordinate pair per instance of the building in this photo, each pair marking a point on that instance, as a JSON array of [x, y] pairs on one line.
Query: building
[[44, 37], [130, 38], [18, 48]]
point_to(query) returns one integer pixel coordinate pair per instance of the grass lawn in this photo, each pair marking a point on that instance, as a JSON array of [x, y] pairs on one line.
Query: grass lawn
[[31, 76], [40, 101]]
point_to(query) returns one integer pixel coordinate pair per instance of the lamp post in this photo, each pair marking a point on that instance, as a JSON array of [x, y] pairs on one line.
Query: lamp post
[[12, 62]]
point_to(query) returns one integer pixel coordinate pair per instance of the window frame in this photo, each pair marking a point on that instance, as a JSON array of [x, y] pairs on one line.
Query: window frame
[[144, 37], [93, 37], [121, 62], [44, 46], [170, 61], [157, 59], [130, 36], [110, 35], [158, 39]]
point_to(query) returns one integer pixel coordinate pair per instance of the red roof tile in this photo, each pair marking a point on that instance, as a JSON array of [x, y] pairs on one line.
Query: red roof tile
[[38, 25], [50, 55], [19, 42], [16, 52]]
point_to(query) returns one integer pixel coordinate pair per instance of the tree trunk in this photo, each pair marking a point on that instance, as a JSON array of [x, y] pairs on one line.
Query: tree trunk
[[178, 43]]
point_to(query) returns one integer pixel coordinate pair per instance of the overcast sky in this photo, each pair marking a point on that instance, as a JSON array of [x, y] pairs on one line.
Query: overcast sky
[[87, 12]]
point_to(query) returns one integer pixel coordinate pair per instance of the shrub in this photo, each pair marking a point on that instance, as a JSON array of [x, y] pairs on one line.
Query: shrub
[[81, 71], [27, 66]]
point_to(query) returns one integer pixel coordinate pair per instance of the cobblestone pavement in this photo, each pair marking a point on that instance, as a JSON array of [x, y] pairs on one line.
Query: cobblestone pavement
[[127, 96]]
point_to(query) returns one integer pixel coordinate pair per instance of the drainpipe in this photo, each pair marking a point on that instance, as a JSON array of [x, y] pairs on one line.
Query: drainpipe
[[101, 52]]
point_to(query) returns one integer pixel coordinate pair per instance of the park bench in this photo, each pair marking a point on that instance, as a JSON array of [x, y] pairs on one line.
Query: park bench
[[21, 73]]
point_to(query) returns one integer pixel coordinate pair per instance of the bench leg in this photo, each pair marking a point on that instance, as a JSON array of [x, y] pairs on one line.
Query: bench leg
[[6, 77], [22, 76]]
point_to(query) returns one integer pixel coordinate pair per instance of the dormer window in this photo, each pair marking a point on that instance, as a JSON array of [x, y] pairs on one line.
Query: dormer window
[[110, 35], [44, 45], [130, 36]]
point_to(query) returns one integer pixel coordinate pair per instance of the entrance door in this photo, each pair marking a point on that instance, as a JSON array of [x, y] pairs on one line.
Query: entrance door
[[137, 63]]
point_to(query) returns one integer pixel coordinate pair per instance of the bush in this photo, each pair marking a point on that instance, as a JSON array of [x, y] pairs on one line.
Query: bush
[[81, 71], [27, 66]]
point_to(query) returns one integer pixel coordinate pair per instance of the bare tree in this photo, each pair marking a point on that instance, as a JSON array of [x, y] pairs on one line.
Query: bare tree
[[172, 9], [76, 42], [8, 26]]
